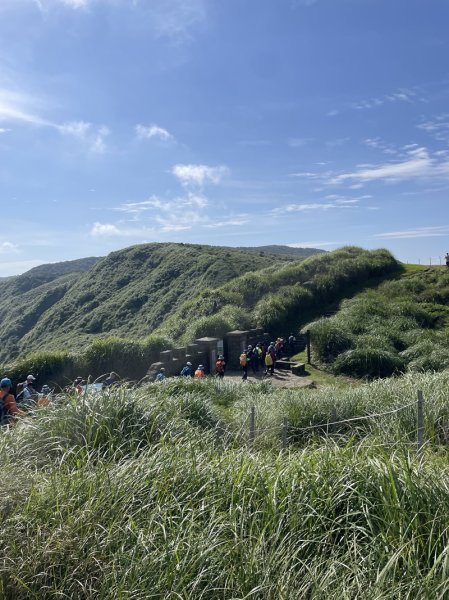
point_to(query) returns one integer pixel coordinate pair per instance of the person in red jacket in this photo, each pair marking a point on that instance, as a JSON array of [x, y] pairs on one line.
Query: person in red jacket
[[8, 406]]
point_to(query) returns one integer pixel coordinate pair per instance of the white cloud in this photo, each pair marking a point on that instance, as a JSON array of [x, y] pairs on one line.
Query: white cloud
[[420, 232], [153, 131], [8, 248], [419, 165], [93, 136], [3, 130], [104, 230], [289, 208], [437, 127], [198, 175]]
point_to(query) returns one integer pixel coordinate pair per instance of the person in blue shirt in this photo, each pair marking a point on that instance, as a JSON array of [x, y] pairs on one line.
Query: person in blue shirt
[[161, 375], [187, 371]]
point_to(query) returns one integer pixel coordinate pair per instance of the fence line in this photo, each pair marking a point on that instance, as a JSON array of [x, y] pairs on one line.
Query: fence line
[[286, 429]]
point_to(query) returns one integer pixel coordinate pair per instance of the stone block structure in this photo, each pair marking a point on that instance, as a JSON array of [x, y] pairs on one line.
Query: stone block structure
[[206, 350]]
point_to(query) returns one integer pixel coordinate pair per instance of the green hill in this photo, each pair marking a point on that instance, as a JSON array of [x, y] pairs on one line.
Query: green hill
[[129, 293], [399, 325]]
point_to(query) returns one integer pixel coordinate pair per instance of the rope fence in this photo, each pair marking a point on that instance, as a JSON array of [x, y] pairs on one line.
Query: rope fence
[[286, 430]]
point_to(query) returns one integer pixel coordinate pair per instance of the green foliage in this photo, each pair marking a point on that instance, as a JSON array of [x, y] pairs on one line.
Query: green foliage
[[128, 294], [391, 327], [150, 494], [368, 362]]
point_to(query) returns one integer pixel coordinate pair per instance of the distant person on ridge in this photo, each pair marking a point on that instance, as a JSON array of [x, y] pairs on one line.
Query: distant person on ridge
[[220, 367], [187, 371], [446, 258]]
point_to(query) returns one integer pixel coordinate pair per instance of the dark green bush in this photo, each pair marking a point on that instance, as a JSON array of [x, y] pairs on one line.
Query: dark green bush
[[368, 362]]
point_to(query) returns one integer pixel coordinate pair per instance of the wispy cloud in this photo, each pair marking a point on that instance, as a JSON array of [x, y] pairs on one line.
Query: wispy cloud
[[312, 206], [198, 175], [420, 232], [298, 142], [400, 95], [418, 165], [153, 131], [21, 107], [437, 127], [93, 136]]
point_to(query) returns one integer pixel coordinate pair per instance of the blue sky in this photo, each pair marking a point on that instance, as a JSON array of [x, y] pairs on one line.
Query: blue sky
[[228, 122]]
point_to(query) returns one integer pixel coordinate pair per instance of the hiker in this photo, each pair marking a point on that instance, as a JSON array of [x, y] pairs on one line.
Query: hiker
[[252, 359], [446, 258], [8, 406], [272, 352], [28, 393], [200, 373], [220, 367], [244, 365], [77, 385], [112, 379], [269, 364], [161, 375], [187, 371], [291, 344], [44, 397]]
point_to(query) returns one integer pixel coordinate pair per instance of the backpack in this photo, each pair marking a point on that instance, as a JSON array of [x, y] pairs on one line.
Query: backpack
[[268, 360], [243, 359], [220, 366]]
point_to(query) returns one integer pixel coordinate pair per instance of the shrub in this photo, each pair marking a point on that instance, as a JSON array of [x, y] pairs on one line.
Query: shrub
[[368, 362], [329, 339]]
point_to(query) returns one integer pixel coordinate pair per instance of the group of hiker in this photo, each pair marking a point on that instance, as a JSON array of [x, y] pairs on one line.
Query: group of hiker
[[261, 357], [264, 355], [27, 396], [12, 406], [198, 373]]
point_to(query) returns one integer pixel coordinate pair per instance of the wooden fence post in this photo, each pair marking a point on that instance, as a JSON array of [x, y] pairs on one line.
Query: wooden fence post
[[252, 425], [420, 419], [308, 346], [284, 434]]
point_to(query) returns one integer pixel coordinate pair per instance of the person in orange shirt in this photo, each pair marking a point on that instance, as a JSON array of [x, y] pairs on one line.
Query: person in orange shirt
[[8, 406], [199, 373]]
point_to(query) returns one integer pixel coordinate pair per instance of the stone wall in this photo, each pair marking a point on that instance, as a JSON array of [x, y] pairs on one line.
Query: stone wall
[[204, 351]]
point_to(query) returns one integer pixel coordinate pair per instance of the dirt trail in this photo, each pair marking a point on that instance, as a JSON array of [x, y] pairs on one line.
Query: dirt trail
[[281, 378]]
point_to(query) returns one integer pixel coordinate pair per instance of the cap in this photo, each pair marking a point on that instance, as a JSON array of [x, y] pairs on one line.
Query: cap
[[200, 367], [189, 364], [31, 378], [5, 382], [221, 357], [162, 369], [45, 389]]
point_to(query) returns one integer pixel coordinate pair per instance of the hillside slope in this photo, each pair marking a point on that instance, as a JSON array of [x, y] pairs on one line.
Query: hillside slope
[[399, 325], [129, 293]]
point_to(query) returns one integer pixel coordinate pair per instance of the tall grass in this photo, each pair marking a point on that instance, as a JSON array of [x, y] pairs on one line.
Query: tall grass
[[151, 493]]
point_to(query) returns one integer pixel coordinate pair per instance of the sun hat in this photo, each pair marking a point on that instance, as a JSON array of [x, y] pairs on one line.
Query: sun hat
[[5, 382]]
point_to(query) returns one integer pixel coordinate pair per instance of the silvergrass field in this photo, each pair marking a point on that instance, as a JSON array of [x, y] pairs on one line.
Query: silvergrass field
[[158, 492]]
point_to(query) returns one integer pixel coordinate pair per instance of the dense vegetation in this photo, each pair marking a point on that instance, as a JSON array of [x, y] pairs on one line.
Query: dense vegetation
[[155, 493], [281, 298], [127, 294], [401, 325]]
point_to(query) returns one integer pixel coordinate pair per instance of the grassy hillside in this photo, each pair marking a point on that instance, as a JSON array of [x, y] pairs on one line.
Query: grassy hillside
[[400, 325], [156, 493], [129, 293], [24, 299], [281, 298]]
